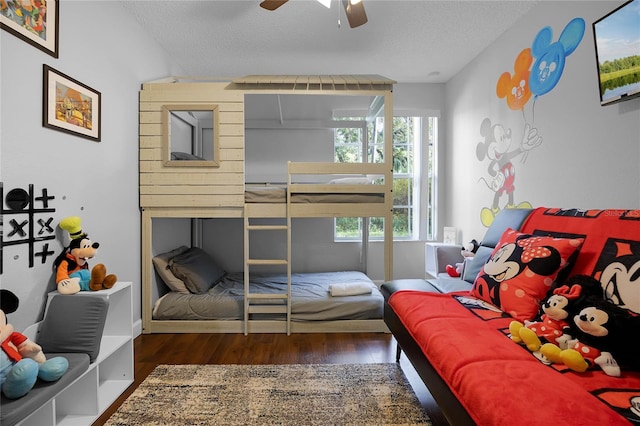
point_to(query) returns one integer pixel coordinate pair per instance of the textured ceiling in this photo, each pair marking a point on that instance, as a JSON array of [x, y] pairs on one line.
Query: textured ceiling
[[407, 41]]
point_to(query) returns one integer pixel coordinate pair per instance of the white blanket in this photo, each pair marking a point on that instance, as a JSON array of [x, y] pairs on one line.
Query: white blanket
[[349, 289]]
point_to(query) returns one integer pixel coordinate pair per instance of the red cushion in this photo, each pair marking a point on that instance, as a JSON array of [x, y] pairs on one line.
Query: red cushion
[[520, 271], [610, 252], [499, 381]]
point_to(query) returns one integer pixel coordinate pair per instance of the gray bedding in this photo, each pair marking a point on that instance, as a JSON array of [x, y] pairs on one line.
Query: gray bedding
[[278, 194], [311, 300]]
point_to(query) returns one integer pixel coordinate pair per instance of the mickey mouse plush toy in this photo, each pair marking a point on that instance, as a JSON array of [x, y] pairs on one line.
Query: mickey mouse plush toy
[[72, 269], [22, 361], [553, 324], [468, 251], [602, 336]]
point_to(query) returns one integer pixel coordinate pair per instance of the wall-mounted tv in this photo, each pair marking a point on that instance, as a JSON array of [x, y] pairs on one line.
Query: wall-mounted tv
[[617, 43]]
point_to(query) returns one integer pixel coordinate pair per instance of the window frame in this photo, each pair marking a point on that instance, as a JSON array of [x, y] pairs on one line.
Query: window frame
[[425, 157]]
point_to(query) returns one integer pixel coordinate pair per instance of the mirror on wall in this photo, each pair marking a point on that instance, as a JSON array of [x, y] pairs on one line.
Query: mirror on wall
[[189, 135]]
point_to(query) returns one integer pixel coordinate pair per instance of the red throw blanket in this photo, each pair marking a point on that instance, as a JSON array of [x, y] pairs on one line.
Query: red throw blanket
[[500, 382], [610, 251]]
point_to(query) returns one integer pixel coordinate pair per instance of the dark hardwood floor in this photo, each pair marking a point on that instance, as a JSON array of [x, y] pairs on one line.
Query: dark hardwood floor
[[312, 348]]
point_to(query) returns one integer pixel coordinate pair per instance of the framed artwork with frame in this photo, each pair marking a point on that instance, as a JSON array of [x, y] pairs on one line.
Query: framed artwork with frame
[[35, 22], [450, 235], [70, 106]]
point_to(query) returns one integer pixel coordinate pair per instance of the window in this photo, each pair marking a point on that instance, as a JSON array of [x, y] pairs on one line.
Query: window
[[189, 135], [413, 159]]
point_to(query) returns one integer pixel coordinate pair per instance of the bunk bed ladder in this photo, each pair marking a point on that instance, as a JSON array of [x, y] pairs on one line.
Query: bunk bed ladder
[[266, 303]]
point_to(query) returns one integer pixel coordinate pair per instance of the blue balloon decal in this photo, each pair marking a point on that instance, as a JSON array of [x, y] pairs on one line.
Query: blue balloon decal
[[550, 56]]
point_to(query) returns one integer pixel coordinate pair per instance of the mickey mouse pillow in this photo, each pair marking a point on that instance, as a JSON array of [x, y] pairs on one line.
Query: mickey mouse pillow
[[521, 270]]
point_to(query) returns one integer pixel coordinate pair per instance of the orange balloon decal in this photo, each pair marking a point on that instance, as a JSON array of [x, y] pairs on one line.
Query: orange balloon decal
[[516, 87]]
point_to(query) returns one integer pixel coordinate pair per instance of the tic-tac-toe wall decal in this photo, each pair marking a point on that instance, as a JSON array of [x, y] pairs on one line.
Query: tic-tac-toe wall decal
[[26, 219]]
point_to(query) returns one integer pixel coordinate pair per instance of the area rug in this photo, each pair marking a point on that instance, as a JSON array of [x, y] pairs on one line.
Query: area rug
[[313, 394]]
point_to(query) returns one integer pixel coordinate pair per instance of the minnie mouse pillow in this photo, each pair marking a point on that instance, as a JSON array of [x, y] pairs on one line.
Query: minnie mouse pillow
[[521, 270]]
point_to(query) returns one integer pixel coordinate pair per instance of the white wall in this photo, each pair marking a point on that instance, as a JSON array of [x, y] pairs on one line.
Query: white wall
[[104, 49], [589, 154]]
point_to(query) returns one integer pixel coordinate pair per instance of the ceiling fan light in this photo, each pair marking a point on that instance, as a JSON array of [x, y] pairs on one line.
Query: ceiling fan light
[[272, 4], [355, 12], [326, 3]]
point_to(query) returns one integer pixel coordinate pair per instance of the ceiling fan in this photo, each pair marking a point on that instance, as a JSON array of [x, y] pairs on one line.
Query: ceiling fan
[[354, 9]]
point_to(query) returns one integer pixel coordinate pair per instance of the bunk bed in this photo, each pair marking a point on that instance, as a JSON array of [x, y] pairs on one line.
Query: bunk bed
[[313, 189]]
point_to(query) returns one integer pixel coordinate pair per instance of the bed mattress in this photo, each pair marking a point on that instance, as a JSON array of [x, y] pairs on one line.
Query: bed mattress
[[278, 194], [310, 298]]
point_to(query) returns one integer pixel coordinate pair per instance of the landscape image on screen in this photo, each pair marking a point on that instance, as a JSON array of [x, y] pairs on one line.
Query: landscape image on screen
[[617, 39]]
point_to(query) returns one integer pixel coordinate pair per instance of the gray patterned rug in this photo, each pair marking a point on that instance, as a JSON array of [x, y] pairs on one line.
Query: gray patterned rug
[[314, 394]]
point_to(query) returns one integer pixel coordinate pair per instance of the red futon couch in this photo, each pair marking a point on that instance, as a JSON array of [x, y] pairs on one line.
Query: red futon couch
[[456, 332]]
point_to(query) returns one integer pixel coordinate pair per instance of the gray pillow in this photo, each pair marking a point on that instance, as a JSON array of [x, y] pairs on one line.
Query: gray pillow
[[472, 269], [161, 263], [196, 269], [74, 324], [176, 155]]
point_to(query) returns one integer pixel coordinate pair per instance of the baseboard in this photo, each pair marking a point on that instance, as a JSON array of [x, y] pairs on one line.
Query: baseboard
[[137, 328]]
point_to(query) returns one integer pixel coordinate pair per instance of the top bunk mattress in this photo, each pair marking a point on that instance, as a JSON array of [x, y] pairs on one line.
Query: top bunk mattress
[[278, 194], [310, 298]]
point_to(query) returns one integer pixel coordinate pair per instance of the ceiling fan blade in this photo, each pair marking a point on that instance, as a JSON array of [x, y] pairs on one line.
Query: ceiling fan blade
[[272, 4], [355, 13]]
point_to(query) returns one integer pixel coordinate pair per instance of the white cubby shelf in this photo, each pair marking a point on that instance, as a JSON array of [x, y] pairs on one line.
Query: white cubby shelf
[[85, 399]]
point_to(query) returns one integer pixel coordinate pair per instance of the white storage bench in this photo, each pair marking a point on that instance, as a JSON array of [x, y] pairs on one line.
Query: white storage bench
[[93, 330]]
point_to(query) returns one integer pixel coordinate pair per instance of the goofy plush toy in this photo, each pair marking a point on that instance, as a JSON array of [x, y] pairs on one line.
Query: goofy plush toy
[[72, 269]]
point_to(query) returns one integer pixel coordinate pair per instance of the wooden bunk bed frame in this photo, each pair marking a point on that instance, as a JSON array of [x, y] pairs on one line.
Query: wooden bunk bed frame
[[218, 192]]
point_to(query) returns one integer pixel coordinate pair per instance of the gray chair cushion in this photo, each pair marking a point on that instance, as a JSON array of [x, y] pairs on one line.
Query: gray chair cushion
[[74, 323], [14, 410], [390, 287], [448, 285]]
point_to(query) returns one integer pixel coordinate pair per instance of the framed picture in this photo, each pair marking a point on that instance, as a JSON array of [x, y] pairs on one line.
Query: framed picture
[[34, 21], [70, 106], [450, 235]]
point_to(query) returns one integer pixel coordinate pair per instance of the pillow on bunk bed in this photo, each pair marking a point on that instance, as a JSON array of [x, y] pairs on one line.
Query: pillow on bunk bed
[[161, 264], [197, 269], [176, 155], [352, 181]]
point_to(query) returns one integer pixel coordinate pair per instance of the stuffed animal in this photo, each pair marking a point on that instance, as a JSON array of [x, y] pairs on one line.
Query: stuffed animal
[[468, 251], [22, 361], [562, 303], [72, 269], [553, 325], [603, 336]]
